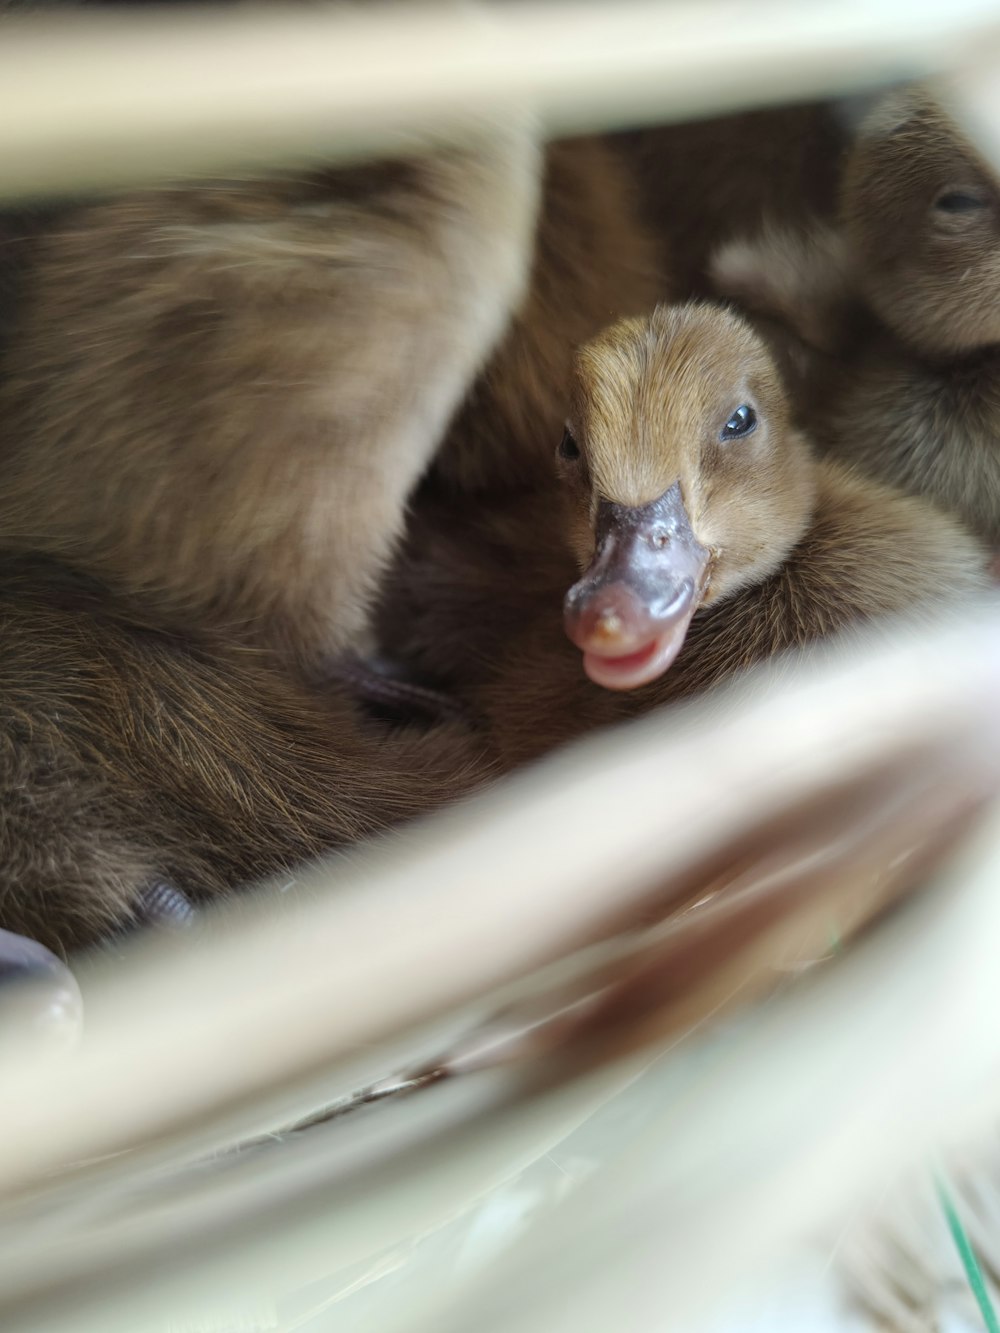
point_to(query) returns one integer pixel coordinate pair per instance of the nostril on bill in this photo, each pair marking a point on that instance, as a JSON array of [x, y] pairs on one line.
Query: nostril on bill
[[608, 625], [609, 620]]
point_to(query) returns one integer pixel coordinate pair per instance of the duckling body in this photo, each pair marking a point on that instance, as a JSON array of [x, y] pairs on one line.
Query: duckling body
[[796, 548], [217, 399], [131, 757], [902, 303], [933, 430]]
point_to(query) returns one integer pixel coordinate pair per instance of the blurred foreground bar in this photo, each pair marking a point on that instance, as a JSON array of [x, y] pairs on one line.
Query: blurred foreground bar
[[858, 1068], [105, 100]]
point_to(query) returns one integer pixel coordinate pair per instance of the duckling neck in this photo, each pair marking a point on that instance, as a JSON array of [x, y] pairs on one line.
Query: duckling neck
[[930, 428], [973, 365], [869, 550]]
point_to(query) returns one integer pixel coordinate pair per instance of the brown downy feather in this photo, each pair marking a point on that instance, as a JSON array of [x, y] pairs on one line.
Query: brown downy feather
[[593, 262], [801, 548], [905, 299], [217, 398], [129, 756], [706, 181]]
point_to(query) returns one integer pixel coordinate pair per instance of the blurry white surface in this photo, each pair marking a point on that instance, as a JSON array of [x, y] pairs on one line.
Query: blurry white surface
[[805, 1293], [668, 1198]]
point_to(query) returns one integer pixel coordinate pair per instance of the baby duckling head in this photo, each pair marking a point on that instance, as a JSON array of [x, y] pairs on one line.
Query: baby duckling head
[[686, 479], [921, 214]]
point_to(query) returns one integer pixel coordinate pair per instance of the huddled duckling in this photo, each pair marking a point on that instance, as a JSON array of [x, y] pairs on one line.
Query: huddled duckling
[[902, 302], [139, 767], [214, 403], [695, 534], [216, 399]]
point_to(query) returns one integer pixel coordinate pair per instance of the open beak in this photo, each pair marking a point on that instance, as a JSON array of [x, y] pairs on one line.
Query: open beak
[[630, 612]]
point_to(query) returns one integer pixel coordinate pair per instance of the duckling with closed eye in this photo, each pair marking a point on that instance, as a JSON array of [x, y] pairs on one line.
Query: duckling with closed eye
[[706, 538], [904, 300]]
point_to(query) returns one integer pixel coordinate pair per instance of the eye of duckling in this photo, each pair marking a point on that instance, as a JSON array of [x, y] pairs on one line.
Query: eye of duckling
[[742, 422], [568, 447], [965, 200]]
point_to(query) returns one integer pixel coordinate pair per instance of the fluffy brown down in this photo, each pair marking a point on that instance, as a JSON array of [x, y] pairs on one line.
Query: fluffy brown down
[[905, 297], [217, 399], [803, 548], [129, 755], [703, 182]]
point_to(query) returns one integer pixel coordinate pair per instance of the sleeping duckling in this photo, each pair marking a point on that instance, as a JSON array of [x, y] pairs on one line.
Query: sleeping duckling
[[902, 303], [701, 536]]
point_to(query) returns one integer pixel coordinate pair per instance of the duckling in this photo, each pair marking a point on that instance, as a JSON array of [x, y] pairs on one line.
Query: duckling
[[902, 303], [216, 398], [700, 536], [137, 765]]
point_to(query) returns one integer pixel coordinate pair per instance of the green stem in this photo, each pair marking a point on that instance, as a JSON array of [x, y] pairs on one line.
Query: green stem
[[970, 1263]]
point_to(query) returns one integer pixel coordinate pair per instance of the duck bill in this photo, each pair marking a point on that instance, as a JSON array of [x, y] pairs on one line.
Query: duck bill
[[630, 612]]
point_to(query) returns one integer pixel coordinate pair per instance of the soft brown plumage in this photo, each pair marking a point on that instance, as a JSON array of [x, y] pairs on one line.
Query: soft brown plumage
[[594, 262], [705, 181], [217, 399], [130, 756], [903, 302], [799, 548]]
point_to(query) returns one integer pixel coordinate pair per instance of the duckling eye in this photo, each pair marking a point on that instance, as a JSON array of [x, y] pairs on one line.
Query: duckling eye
[[568, 447], [959, 201], [742, 422]]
